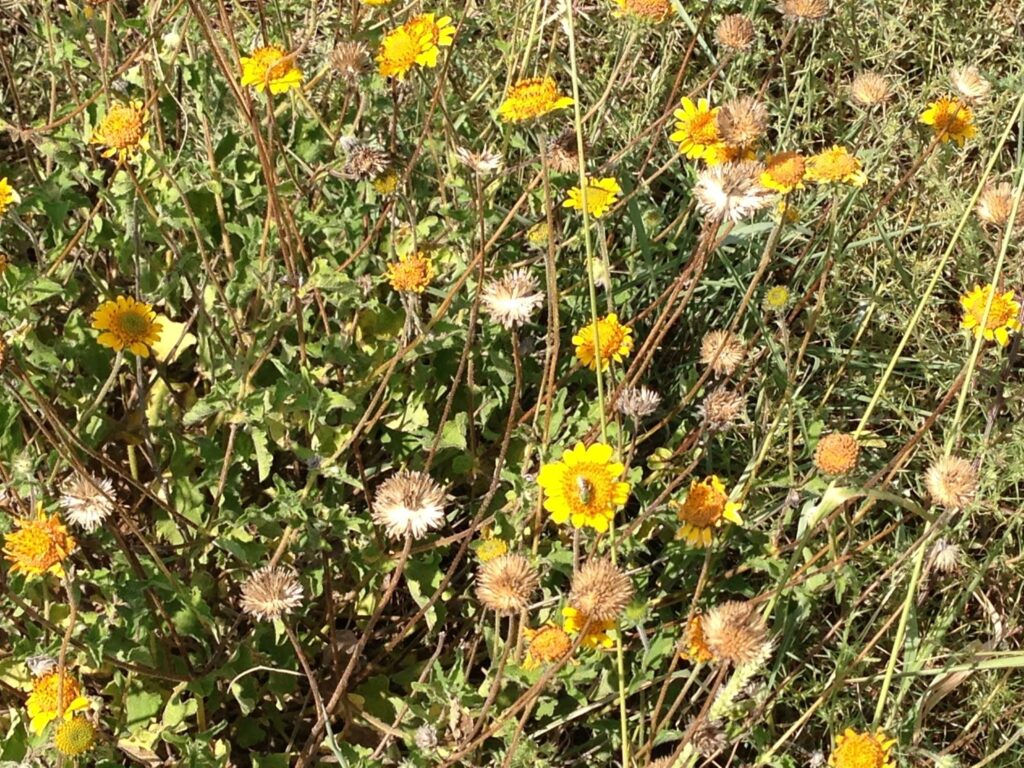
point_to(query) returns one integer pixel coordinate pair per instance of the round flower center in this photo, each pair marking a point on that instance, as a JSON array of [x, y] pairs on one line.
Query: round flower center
[[133, 325], [491, 549], [696, 647], [861, 750], [703, 507], [703, 128], [74, 737], [122, 127], [534, 97], [786, 170], [587, 489], [653, 10], [44, 694], [777, 297], [837, 165], [420, 27], [550, 644], [413, 274], [1001, 313]]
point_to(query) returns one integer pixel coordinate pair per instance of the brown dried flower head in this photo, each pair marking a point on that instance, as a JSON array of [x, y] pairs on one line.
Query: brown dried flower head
[[562, 154], [735, 32], [944, 557], [806, 11], [723, 408], [351, 60], [271, 592], [735, 632], [409, 502], [995, 205], [742, 121], [970, 84], [87, 502], [731, 190], [364, 161], [952, 482], [600, 590], [722, 351], [506, 584], [870, 88], [638, 402], [707, 737], [837, 453]]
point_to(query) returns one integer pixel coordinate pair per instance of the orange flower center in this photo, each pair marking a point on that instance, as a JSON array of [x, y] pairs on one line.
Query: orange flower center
[[122, 127], [550, 644], [703, 507], [786, 170], [412, 274], [652, 10], [860, 750], [44, 694]]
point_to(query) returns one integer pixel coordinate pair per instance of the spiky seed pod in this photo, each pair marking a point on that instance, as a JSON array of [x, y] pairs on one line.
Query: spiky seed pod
[[638, 403], [735, 32], [506, 584], [87, 502], [995, 205], [708, 738], [271, 592], [944, 557], [350, 60], [742, 121], [735, 632], [600, 590], [562, 154], [952, 482], [365, 161], [723, 408], [837, 453], [869, 89], [804, 11], [722, 351], [409, 502]]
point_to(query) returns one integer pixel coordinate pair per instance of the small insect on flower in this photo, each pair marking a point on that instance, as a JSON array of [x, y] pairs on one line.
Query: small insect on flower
[[582, 488], [950, 120], [127, 324], [271, 67], [409, 502], [1003, 316], [862, 750], [601, 195], [601, 343], [532, 98], [122, 131], [704, 509], [8, 196], [271, 592], [835, 165]]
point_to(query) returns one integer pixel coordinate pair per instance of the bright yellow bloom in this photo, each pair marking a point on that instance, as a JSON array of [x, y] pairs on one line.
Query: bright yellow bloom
[[545, 645], [784, 172], [127, 324], [386, 184], [38, 545], [418, 41], [411, 273], [7, 195], [596, 635], [532, 98], [582, 487], [705, 507], [776, 299], [375, 2], [862, 750], [652, 11], [950, 119], [695, 647], [122, 131], [616, 342], [697, 132], [271, 66], [491, 549], [74, 737], [1003, 317], [835, 164], [601, 195], [43, 704]]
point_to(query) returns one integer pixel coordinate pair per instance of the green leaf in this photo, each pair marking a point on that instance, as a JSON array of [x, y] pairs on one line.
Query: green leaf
[[264, 459]]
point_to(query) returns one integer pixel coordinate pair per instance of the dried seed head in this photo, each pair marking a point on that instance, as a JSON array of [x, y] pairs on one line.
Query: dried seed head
[[708, 738], [970, 84], [722, 351], [806, 11], [506, 584], [637, 403], [664, 762], [87, 502], [426, 737], [600, 590], [731, 190], [365, 161], [271, 592], [511, 299], [944, 557], [481, 163], [723, 408], [952, 482], [837, 453], [350, 60], [995, 205], [736, 633], [563, 156], [735, 32], [742, 121], [409, 502], [869, 89]]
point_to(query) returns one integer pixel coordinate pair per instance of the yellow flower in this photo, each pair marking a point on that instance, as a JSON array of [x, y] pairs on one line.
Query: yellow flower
[[375, 2], [43, 704], [127, 324], [545, 645], [74, 737], [582, 487], [596, 635], [950, 119], [695, 646], [7, 195], [538, 234], [1003, 317], [616, 342], [386, 184], [784, 172], [271, 66], [38, 545], [122, 131], [418, 41], [491, 549], [705, 507], [601, 195], [411, 273], [697, 132], [532, 98], [835, 164], [776, 299], [652, 11], [862, 750]]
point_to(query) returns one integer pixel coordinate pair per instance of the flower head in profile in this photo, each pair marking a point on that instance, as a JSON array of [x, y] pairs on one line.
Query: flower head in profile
[[583, 488], [722, 351], [8, 196], [696, 131], [418, 41], [1003, 317], [506, 584], [512, 298], [38, 545], [836, 165], [409, 502], [271, 592], [862, 750], [950, 120], [783, 172], [837, 453], [735, 632], [694, 646], [601, 195], [351, 60], [600, 343], [545, 645], [122, 131], [704, 509], [43, 703], [870, 88], [952, 482], [127, 324], [74, 737], [995, 204], [804, 11], [412, 272], [483, 163], [735, 32], [638, 403], [532, 98], [731, 191], [595, 633], [600, 590], [271, 67], [969, 83], [87, 502], [650, 11]]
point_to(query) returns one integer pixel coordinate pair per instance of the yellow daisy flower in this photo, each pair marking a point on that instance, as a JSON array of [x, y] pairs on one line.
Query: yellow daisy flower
[[7, 196], [122, 131], [697, 132], [1003, 317], [411, 273], [271, 66], [776, 299], [532, 98], [417, 41], [582, 487], [705, 507], [74, 737], [695, 647], [651, 11], [616, 342], [38, 545], [491, 548], [597, 635], [862, 750], [784, 172], [127, 324], [601, 195], [43, 704], [545, 645], [834, 165], [950, 120], [386, 184]]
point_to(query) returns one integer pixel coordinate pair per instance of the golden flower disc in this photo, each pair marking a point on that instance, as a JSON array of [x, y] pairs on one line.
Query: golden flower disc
[[601, 196], [695, 648], [616, 342], [532, 98], [862, 750], [837, 453], [122, 131], [1003, 315], [651, 11], [491, 549], [411, 273], [595, 632], [835, 165], [784, 172], [705, 507], [950, 120], [697, 131], [38, 545], [546, 644], [271, 66], [74, 737]]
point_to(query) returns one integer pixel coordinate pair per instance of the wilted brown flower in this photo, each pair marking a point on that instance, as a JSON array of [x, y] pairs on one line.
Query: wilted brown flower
[[562, 154], [707, 737], [837, 453], [870, 88], [409, 502], [735, 632], [722, 351], [600, 590], [952, 482], [735, 31], [481, 163], [364, 161], [970, 84], [638, 403], [271, 592], [804, 10], [350, 60], [723, 408], [742, 121], [995, 205], [506, 584], [731, 190], [87, 502], [511, 299], [944, 557]]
